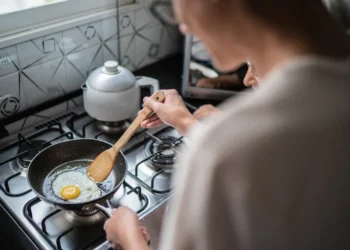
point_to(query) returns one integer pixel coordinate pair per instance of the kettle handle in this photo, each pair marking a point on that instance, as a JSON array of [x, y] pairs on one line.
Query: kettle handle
[[83, 86], [148, 82]]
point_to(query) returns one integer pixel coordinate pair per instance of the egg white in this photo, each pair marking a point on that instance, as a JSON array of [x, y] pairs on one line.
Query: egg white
[[88, 189]]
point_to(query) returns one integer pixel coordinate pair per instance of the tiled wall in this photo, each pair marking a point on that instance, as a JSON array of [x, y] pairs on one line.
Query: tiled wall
[[44, 68]]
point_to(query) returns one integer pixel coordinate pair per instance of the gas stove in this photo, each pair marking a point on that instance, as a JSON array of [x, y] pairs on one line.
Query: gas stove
[[150, 156]]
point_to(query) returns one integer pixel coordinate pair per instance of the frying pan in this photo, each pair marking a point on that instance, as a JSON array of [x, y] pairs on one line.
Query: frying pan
[[73, 155]]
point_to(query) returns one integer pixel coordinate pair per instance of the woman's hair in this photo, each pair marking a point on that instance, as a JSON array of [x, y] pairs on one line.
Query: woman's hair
[[298, 16], [340, 10]]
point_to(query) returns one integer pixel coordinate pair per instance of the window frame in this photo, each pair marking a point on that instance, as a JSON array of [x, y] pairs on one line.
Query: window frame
[[12, 23]]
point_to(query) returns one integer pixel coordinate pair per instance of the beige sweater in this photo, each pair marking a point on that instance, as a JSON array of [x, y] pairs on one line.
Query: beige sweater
[[273, 172]]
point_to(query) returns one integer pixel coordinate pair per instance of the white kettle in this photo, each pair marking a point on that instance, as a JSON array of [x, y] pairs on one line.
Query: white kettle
[[112, 93]]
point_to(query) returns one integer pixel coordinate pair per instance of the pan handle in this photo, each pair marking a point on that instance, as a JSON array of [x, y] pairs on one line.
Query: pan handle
[[107, 210]]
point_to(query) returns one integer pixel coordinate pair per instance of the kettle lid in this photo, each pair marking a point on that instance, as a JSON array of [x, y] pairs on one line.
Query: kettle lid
[[111, 77]]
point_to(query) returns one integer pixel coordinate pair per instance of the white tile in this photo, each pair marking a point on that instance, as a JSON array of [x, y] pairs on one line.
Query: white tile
[[29, 53], [109, 28], [74, 79], [148, 46], [9, 84], [39, 50], [170, 42], [87, 59], [92, 33], [127, 47], [127, 23], [35, 82], [126, 26], [49, 45], [92, 30], [12, 103], [108, 55], [8, 61], [144, 19], [47, 77], [73, 40]]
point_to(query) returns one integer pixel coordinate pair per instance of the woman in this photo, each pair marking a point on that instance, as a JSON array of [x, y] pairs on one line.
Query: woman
[[272, 170]]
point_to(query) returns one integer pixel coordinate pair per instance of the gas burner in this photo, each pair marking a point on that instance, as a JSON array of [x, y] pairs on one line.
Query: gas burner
[[112, 127], [165, 146], [32, 147], [77, 218]]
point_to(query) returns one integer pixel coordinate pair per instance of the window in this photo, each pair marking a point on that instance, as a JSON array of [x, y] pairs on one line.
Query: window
[[22, 15]]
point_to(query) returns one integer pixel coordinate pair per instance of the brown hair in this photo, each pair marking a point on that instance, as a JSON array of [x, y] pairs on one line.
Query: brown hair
[[284, 14]]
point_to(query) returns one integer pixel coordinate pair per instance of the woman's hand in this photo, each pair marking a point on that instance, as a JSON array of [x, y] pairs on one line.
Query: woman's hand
[[204, 111], [125, 230], [172, 112]]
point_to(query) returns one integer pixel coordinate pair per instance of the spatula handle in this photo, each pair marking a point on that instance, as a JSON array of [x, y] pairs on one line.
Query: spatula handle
[[143, 115], [146, 111]]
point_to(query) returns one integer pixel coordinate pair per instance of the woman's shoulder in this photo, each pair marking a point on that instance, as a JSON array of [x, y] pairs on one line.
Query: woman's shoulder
[[242, 127], [288, 100]]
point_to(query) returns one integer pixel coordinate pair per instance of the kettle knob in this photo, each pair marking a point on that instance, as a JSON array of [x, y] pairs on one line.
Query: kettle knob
[[111, 67]]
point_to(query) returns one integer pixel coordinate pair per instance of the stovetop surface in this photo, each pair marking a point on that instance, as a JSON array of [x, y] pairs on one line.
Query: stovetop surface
[[145, 188]]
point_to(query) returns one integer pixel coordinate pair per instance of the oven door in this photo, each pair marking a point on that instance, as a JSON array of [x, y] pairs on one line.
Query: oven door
[[11, 233]]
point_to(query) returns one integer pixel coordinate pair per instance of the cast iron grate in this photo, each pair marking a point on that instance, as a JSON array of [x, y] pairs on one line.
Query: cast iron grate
[[57, 240], [23, 139]]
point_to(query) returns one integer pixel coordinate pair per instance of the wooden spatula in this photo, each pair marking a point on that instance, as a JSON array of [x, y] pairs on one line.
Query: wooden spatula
[[102, 166]]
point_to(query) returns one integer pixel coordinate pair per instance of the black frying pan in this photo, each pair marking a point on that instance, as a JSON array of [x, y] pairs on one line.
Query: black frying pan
[[73, 155]]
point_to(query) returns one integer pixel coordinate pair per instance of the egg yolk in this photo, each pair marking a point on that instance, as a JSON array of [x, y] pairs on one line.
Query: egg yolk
[[70, 192]]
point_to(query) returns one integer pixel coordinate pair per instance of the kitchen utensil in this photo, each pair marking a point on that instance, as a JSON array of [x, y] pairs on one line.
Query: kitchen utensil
[[112, 93], [101, 167], [73, 151]]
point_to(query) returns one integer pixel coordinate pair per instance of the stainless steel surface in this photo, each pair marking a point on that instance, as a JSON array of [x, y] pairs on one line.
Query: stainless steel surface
[[19, 208], [79, 220], [113, 127]]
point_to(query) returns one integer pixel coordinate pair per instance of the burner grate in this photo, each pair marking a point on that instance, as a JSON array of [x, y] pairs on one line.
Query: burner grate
[[87, 127], [154, 137], [72, 124], [57, 240], [27, 140]]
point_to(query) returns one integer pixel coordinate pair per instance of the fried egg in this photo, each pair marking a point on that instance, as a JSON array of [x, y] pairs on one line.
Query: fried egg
[[75, 187]]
